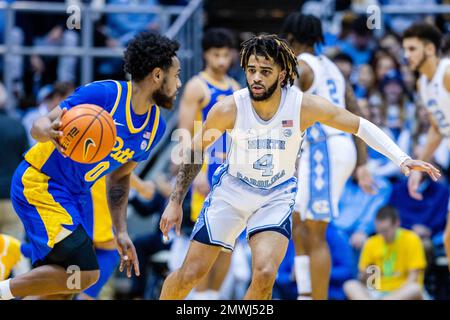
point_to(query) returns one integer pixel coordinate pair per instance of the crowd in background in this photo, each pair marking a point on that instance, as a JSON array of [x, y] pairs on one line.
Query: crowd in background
[[371, 60]]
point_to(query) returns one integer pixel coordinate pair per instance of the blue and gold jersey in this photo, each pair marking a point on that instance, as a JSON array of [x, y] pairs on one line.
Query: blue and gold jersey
[[50, 193], [217, 91], [215, 155], [136, 136]]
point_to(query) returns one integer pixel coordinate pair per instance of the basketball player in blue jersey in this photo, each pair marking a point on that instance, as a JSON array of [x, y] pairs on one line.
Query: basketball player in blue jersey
[[320, 76], [256, 188], [49, 191], [200, 94]]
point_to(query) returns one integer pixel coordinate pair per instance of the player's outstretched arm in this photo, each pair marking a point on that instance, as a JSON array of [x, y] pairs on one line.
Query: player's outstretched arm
[[317, 109], [117, 187], [220, 118], [46, 128]]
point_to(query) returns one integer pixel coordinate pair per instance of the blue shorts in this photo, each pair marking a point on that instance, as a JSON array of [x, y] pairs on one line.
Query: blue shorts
[[48, 210]]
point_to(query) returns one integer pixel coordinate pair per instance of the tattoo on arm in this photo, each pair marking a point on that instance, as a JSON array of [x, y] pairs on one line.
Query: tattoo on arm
[[118, 201], [116, 195], [187, 173]]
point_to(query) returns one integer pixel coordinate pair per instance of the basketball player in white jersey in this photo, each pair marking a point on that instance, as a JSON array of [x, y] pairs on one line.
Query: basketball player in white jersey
[[327, 160], [255, 189], [421, 43], [200, 94]]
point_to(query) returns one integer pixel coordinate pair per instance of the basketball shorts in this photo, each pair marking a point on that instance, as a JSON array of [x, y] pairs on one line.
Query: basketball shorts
[[48, 210], [233, 206], [322, 178]]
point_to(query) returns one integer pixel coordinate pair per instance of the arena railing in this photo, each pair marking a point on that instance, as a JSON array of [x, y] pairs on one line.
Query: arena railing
[[186, 29], [188, 19]]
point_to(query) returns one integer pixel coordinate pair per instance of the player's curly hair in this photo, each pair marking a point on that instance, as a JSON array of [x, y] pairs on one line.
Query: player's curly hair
[[274, 48], [148, 51], [304, 28]]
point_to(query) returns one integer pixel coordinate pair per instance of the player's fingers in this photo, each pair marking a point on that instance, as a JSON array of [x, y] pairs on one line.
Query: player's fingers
[[406, 171], [56, 124], [430, 170], [137, 271], [165, 230], [121, 265], [129, 268], [162, 224], [59, 147], [55, 134]]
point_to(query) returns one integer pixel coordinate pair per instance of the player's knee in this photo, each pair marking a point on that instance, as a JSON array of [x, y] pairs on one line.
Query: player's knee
[[89, 278], [265, 274], [192, 274]]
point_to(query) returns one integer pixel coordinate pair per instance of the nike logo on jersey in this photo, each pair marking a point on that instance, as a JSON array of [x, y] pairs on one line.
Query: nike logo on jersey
[[87, 144], [118, 124]]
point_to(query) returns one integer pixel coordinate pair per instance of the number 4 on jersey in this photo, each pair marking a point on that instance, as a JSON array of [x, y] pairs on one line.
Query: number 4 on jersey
[[264, 163]]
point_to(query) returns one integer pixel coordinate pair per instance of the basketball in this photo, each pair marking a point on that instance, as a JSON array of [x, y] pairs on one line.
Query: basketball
[[89, 133]]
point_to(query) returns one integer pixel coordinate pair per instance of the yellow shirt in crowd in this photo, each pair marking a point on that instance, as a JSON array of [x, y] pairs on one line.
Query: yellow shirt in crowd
[[395, 260]]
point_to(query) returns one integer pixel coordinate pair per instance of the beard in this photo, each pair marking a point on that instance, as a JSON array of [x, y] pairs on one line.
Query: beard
[[266, 95], [420, 64], [162, 99]]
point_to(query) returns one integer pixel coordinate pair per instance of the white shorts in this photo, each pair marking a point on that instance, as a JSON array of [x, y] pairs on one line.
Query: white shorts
[[342, 161], [233, 205]]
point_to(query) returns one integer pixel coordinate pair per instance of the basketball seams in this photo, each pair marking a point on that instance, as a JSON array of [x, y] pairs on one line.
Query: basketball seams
[[109, 125], [84, 133], [101, 138], [73, 119]]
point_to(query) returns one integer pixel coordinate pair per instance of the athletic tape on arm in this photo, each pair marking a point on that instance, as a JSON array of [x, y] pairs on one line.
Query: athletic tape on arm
[[378, 140]]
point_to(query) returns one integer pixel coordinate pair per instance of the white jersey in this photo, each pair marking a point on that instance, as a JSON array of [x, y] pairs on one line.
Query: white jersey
[[328, 82], [437, 99], [264, 153]]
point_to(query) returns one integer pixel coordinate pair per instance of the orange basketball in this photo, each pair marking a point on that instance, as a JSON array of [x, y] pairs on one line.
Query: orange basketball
[[89, 133]]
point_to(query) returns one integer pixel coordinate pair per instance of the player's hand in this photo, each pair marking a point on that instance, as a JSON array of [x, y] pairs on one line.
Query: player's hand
[[413, 184], [147, 189], [172, 216], [365, 180], [128, 256], [201, 183], [54, 133], [419, 165]]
